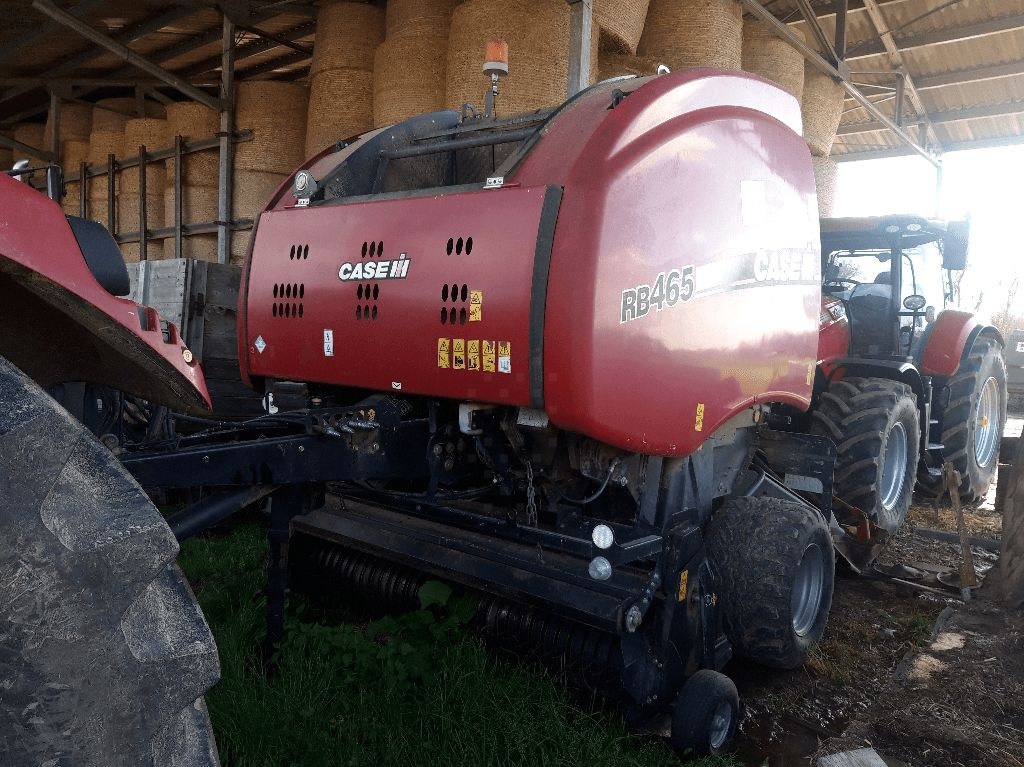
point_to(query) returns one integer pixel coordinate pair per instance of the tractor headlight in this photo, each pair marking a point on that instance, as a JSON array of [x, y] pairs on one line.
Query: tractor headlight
[[602, 536]]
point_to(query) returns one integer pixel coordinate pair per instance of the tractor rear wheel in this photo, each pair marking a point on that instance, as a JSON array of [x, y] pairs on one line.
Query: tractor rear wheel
[[877, 430], [776, 569], [973, 421], [105, 654]]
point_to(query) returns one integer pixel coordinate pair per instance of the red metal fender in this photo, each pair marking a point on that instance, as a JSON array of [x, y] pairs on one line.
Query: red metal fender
[[59, 324], [951, 340]]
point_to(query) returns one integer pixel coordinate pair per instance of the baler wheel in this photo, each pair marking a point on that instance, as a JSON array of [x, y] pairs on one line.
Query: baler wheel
[[876, 427], [706, 714], [776, 569], [973, 421], [105, 654]]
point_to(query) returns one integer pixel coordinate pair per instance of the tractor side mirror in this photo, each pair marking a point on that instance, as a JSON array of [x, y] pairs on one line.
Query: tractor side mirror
[[955, 245], [54, 183]]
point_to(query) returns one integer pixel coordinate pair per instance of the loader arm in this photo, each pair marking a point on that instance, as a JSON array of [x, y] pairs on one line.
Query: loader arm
[[60, 324]]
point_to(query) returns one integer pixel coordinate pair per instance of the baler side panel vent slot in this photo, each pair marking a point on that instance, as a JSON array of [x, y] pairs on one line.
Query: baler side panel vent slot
[[372, 249], [459, 246], [298, 253], [458, 295], [365, 294], [288, 298]]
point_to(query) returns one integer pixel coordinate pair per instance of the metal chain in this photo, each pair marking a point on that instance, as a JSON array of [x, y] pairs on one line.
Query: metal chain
[[531, 497]]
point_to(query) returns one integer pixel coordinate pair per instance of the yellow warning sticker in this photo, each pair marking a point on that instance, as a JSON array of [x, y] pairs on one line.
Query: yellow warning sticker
[[473, 355], [699, 423], [810, 373], [684, 583], [458, 354], [443, 348], [488, 357], [504, 356], [476, 312], [476, 298]]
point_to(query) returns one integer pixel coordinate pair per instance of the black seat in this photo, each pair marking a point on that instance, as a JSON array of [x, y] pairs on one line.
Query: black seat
[[102, 255]]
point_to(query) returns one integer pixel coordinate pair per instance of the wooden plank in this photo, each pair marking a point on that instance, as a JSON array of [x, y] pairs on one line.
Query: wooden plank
[[861, 757]]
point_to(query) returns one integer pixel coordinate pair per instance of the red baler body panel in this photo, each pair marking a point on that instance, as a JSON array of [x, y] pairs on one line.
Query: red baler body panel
[[683, 283]]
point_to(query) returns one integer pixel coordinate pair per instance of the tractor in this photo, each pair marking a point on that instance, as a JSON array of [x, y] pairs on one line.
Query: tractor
[[904, 384]]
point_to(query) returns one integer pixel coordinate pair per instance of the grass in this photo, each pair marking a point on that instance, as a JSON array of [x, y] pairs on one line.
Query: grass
[[410, 690]]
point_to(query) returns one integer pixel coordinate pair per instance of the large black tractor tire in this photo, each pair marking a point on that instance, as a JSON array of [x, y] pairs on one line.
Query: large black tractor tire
[[973, 421], [776, 570], [104, 653], [876, 426]]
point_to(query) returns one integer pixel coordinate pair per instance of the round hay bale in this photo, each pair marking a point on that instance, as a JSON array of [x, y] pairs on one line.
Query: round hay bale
[[826, 178], [621, 64], [537, 32], [429, 18], [340, 106], [621, 22], [75, 122], [251, 191], [199, 246], [199, 205], [694, 33], [275, 112], [103, 144], [768, 55], [30, 134], [347, 35], [110, 115], [150, 132], [822, 107], [72, 154], [97, 201], [408, 77], [128, 212], [193, 122]]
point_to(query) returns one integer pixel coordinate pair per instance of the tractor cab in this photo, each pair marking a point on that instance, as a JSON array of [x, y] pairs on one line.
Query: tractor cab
[[894, 274]]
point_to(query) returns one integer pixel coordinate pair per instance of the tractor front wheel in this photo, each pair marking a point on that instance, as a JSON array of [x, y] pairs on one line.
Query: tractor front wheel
[[105, 654], [973, 421], [877, 430], [776, 569]]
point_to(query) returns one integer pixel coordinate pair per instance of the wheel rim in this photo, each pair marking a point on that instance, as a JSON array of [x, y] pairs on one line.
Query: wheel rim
[[721, 723], [894, 466], [987, 435], [807, 590]]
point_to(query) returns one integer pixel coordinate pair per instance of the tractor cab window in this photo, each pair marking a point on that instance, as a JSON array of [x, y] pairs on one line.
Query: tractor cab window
[[923, 275]]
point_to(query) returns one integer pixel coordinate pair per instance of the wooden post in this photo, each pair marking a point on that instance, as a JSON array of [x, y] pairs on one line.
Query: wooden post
[[968, 576], [1011, 560]]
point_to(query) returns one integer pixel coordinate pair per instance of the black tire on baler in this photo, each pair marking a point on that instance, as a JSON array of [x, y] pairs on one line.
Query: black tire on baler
[[776, 570], [876, 426], [961, 427], [105, 655], [706, 714]]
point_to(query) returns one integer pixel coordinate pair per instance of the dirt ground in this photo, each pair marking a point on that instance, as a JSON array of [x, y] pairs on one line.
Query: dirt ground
[[905, 666]]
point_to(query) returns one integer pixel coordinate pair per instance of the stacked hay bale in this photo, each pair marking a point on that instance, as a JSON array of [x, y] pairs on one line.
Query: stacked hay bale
[[410, 65], [537, 32], [75, 124], [150, 132], [694, 33], [199, 179], [73, 154], [613, 64], [768, 55], [822, 107], [621, 23], [6, 154], [30, 134], [275, 112], [106, 138], [341, 76]]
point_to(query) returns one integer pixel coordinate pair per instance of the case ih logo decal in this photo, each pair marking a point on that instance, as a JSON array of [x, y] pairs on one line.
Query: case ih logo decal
[[375, 270]]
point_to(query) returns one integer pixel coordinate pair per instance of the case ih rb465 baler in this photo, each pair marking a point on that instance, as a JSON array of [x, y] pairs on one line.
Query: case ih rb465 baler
[[557, 358]]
